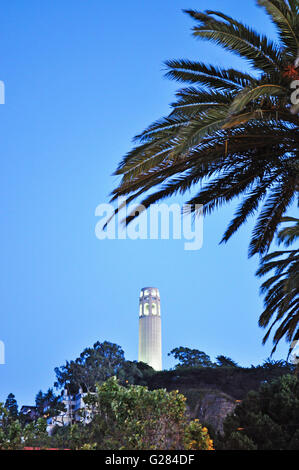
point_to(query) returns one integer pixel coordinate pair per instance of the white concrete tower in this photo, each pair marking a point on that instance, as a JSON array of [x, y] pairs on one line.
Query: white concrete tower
[[150, 350]]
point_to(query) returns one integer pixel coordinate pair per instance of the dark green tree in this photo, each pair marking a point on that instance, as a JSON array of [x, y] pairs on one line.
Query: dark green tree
[[39, 403], [134, 373], [14, 435], [190, 358], [72, 437], [265, 420], [12, 406], [48, 403], [10, 430], [35, 434], [224, 361], [94, 365], [272, 365], [230, 134]]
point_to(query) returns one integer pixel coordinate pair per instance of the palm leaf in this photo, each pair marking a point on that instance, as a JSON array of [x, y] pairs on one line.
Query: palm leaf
[[281, 290], [286, 19]]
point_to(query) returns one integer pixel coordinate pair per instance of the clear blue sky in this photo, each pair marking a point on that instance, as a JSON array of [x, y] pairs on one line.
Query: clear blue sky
[[82, 78]]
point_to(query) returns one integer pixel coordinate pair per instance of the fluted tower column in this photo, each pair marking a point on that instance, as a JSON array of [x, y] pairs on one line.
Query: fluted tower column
[[150, 350]]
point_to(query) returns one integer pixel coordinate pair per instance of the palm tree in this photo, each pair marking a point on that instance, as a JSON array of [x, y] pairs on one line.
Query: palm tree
[[282, 288], [230, 133]]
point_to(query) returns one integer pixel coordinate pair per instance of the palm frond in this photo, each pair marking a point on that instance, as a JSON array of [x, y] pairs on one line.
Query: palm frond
[[240, 39], [285, 17], [289, 234], [230, 130], [208, 75], [274, 208], [281, 290], [248, 95]]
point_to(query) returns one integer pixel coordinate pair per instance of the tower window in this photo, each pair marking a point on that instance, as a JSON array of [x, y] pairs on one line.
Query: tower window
[[146, 309]]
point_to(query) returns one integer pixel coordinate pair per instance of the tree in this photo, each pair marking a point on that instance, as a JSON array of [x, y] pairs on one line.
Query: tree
[[230, 133], [197, 437], [73, 437], [13, 435], [12, 406], [190, 358], [224, 361], [281, 289], [266, 419], [272, 365], [48, 403], [135, 418], [35, 434], [10, 434], [134, 373], [94, 365]]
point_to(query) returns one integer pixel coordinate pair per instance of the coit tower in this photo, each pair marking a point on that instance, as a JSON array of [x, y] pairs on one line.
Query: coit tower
[[150, 350]]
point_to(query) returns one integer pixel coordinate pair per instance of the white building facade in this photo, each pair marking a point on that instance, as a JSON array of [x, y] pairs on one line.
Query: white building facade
[[76, 411]]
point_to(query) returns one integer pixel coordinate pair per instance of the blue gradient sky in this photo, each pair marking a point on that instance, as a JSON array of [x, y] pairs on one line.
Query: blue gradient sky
[[82, 78]]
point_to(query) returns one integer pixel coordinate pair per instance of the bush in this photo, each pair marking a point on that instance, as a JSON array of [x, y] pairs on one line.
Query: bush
[[134, 417], [265, 420]]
